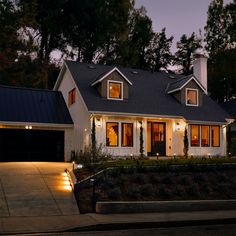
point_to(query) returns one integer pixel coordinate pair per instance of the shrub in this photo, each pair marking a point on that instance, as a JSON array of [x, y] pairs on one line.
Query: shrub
[[193, 190], [155, 179], [179, 190], [185, 180], [134, 192], [147, 190], [164, 192], [140, 178], [199, 178], [168, 179], [114, 194]]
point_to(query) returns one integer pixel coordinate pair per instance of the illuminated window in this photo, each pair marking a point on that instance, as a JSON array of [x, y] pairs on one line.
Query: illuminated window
[[192, 97], [112, 134], [215, 136], [194, 135], [71, 97], [205, 139], [115, 90], [127, 135]]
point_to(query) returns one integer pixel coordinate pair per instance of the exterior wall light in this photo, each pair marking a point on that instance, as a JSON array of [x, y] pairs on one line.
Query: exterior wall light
[[157, 155], [28, 127], [177, 126], [98, 122], [209, 155], [79, 166], [191, 155], [174, 155]]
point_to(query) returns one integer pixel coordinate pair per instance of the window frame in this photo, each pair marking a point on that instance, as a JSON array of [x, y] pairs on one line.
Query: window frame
[[186, 97], [199, 136], [121, 89], [132, 133], [218, 135], [209, 135], [72, 97], [111, 122]]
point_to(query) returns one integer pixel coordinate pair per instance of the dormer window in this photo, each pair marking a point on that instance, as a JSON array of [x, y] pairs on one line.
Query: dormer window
[[115, 90], [191, 97]]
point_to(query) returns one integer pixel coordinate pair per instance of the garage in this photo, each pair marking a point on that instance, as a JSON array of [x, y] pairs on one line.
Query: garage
[[31, 145]]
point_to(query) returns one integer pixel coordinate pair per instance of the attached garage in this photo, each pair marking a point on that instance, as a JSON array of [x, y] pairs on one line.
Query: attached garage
[[31, 145], [46, 113]]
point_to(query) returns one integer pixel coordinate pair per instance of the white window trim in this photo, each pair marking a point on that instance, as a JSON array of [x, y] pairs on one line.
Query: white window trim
[[108, 90], [186, 101]]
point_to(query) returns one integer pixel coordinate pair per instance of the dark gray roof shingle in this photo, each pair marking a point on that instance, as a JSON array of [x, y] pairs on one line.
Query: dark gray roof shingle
[[147, 95], [33, 105]]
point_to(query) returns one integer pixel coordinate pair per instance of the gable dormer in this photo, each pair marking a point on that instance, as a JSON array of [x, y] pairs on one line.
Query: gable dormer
[[187, 90], [114, 85]]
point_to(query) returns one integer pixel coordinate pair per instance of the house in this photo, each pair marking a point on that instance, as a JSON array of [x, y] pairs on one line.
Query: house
[[121, 100], [230, 108], [45, 125]]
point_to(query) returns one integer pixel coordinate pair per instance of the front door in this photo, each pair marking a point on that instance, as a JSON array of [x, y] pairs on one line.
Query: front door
[[156, 138]]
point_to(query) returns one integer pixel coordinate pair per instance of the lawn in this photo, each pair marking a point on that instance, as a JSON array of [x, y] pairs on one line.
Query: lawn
[[159, 180]]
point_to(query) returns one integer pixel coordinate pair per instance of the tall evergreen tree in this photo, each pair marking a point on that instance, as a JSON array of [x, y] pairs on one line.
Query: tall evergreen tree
[[186, 48], [216, 35], [158, 53]]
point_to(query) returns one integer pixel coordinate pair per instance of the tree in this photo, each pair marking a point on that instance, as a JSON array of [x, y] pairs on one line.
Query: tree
[[158, 53], [93, 139], [216, 28], [186, 48], [222, 79], [141, 148], [186, 145], [93, 26], [231, 29]]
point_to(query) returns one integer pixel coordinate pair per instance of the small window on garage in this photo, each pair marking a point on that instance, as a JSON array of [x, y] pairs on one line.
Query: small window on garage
[[71, 97]]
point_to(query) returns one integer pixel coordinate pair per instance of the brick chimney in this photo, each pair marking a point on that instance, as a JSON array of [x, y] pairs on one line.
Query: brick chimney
[[200, 69]]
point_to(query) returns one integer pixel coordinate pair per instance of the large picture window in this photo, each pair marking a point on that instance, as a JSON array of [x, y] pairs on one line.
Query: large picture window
[[112, 134], [192, 97], [194, 135], [205, 131], [215, 136], [115, 90], [127, 135], [71, 97], [208, 134]]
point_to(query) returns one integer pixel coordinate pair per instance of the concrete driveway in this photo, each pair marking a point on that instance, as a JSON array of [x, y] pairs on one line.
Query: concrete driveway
[[35, 189]]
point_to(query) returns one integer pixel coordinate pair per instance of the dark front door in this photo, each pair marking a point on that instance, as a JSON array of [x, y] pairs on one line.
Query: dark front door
[[157, 137], [31, 145]]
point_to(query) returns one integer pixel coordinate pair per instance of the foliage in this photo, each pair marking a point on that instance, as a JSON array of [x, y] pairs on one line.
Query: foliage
[[93, 140], [216, 27], [115, 194], [158, 55], [141, 148], [186, 144], [185, 53]]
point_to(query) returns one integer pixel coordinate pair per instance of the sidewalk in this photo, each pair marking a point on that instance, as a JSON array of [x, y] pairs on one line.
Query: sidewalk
[[11, 225]]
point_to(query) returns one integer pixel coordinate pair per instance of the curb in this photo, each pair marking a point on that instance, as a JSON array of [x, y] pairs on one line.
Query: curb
[[143, 225]]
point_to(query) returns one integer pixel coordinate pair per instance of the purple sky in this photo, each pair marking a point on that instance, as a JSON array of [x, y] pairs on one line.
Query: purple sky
[[178, 16]]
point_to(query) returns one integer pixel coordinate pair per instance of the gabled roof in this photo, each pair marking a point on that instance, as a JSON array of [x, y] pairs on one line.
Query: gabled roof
[[147, 95], [230, 107], [182, 82], [33, 105], [102, 77]]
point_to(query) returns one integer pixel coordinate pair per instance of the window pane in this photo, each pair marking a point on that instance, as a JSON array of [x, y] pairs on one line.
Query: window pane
[[127, 135], [215, 136], [71, 97], [192, 97], [112, 134], [194, 135], [114, 90], [205, 136]]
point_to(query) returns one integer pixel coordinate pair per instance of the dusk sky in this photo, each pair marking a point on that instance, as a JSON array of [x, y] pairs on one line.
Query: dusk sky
[[178, 16]]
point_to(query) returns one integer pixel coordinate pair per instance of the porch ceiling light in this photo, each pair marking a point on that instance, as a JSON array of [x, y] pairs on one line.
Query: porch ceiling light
[[98, 122]]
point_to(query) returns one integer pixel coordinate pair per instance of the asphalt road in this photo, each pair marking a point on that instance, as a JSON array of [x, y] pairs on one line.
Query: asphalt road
[[206, 230]]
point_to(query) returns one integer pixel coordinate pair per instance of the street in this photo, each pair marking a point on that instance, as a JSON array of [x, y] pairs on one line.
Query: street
[[205, 230]]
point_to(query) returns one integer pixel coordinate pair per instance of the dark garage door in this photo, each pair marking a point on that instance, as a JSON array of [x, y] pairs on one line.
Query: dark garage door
[[31, 145]]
